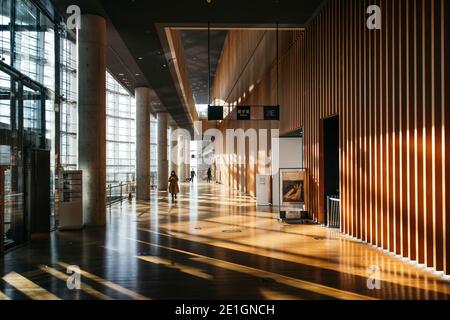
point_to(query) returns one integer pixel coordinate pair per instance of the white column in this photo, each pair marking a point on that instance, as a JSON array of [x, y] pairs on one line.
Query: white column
[[174, 154], [163, 164]]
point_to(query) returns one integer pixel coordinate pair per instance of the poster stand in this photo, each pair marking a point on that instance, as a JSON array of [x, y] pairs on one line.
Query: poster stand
[[293, 195]]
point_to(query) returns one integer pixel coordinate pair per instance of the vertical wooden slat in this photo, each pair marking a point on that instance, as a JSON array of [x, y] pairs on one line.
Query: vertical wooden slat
[[366, 134], [358, 107], [372, 174], [419, 135], [404, 129], [383, 124], [429, 114], [350, 93], [411, 129], [445, 65], [396, 128], [438, 243]]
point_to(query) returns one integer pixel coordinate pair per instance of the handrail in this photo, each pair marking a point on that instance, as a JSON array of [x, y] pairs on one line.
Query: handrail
[[333, 212], [14, 195], [118, 192]]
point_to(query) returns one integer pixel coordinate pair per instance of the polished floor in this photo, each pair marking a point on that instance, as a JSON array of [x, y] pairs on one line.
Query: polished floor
[[212, 243]]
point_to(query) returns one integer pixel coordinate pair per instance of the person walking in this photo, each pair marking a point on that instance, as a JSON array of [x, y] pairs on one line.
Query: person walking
[[174, 189], [208, 175], [192, 175]]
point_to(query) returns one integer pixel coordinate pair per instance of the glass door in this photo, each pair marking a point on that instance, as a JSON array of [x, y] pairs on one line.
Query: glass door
[[22, 128], [11, 155]]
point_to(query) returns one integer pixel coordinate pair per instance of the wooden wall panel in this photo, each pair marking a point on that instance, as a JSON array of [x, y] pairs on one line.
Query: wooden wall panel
[[391, 89], [391, 95]]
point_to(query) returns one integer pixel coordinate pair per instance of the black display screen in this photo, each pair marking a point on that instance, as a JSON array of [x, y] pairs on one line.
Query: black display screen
[[272, 113], [215, 113]]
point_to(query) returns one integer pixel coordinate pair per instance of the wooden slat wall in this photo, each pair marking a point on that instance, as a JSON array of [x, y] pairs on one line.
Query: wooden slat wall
[[391, 89], [248, 58]]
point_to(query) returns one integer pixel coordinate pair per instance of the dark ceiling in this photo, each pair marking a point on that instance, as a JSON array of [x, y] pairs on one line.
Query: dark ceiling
[[138, 24], [195, 44]]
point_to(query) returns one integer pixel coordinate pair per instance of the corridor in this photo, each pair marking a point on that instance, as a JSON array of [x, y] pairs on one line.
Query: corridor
[[212, 243]]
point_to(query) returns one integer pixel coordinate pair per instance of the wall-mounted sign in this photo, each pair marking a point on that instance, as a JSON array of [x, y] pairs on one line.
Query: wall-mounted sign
[[243, 113], [272, 113], [215, 113]]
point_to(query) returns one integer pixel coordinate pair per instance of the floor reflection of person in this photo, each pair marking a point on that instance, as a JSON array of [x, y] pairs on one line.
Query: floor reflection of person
[[174, 189]]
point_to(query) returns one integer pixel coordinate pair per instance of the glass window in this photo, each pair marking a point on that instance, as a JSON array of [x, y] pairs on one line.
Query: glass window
[[120, 133], [69, 111], [34, 44], [5, 35]]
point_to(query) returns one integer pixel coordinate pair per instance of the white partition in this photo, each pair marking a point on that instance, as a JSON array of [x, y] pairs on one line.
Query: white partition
[[71, 200], [287, 153], [263, 190]]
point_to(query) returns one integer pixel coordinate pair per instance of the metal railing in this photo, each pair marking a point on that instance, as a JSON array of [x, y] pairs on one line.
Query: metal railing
[[116, 193], [333, 212]]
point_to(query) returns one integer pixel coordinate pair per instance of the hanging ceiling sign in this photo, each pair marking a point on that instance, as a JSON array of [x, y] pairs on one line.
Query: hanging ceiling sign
[[215, 113], [243, 113], [272, 113]]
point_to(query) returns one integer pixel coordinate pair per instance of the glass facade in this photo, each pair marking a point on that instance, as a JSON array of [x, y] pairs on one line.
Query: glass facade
[[153, 151], [120, 126], [120, 133], [38, 78], [69, 111], [28, 69]]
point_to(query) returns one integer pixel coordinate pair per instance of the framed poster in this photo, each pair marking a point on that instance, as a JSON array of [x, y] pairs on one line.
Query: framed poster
[[293, 191]]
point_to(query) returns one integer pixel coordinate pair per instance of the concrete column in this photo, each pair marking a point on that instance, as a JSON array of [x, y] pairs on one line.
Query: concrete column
[[92, 48], [182, 158], [187, 154], [163, 164], [174, 154], [142, 143]]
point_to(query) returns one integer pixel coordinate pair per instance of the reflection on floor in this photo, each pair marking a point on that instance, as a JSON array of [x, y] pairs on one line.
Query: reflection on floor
[[212, 243]]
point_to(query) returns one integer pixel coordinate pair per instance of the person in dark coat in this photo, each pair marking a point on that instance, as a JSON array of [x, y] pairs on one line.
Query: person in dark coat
[[174, 189]]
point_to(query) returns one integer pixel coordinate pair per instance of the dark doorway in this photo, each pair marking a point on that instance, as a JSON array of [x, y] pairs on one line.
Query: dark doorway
[[330, 160]]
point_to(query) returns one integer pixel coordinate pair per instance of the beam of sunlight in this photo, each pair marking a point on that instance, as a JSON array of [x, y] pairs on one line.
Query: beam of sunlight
[[289, 281], [177, 266], [28, 288], [4, 296], [264, 244], [85, 287], [108, 284], [270, 294]]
